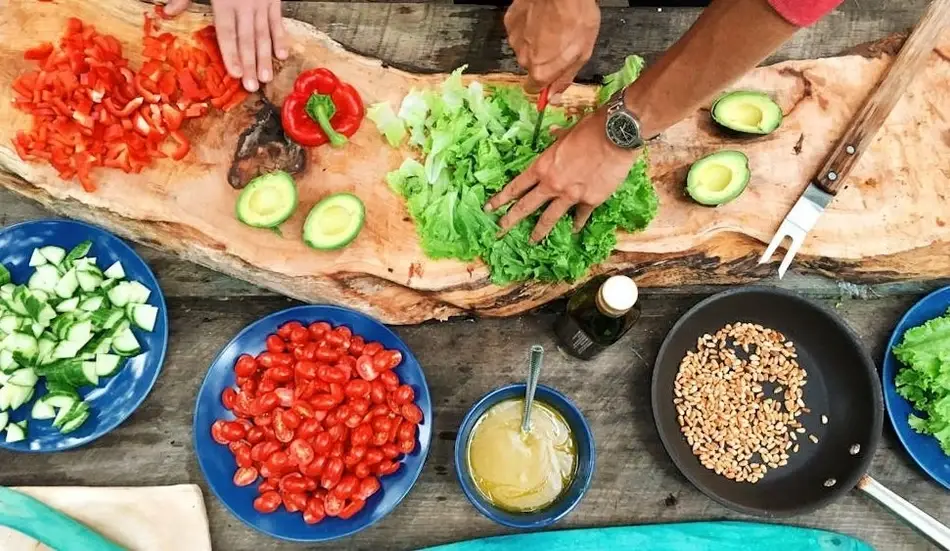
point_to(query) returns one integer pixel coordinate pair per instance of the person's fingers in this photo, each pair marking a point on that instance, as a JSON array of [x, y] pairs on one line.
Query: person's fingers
[[174, 7], [566, 78], [523, 208], [225, 21], [515, 189], [247, 49], [262, 35], [549, 217], [277, 30], [581, 216]]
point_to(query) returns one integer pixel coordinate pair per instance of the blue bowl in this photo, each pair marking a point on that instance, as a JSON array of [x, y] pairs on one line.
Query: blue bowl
[[586, 459], [218, 465], [922, 447], [114, 401]]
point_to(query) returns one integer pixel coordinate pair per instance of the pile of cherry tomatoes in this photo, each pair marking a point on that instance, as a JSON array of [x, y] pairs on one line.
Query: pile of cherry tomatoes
[[321, 416]]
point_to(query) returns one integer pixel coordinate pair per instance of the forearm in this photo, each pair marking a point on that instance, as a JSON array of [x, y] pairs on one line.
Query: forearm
[[729, 38]]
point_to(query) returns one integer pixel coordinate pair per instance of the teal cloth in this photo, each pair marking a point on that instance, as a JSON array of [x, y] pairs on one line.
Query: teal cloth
[[47, 525], [684, 536]]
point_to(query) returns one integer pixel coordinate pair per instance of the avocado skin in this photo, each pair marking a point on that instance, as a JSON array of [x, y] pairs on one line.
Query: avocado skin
[[771, 113]]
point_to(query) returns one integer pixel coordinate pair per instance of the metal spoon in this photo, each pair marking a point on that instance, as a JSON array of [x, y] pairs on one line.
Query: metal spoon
[[534, 372]]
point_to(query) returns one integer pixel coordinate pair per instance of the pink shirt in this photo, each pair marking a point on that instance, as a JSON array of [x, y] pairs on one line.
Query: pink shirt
[[803, 12]]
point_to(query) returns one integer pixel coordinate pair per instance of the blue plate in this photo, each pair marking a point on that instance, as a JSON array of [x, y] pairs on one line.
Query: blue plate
[[114, 400], [922, 447], [217, 463]]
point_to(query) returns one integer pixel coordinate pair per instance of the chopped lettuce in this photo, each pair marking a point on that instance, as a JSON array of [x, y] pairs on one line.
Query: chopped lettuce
[[388, 123], [615, 81], [473, 142], [925, 378]]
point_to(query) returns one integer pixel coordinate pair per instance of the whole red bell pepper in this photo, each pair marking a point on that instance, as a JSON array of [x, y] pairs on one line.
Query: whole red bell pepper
[[321, 109]]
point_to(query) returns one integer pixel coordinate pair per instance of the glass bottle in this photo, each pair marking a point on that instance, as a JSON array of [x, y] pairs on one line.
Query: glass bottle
[[597, 316]]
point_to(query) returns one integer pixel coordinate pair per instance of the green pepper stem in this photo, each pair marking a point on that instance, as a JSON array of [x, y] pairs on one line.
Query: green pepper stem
[[320, 108]]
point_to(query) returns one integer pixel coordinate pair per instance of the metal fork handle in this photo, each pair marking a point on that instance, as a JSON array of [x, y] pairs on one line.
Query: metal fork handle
[[920, 521], [879, 104]]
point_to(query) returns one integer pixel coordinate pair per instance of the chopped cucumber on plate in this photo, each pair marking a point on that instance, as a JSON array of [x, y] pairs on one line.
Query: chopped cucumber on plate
[[71, 325]]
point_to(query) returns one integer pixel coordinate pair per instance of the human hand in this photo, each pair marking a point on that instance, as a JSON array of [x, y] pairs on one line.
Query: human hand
[[249, 31], [552, 39], [581, 169]]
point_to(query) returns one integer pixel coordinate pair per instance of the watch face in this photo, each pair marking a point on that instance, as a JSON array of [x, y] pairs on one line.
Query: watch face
[[623, 130]]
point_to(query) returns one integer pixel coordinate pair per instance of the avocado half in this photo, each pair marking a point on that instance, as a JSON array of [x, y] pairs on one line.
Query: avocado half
[[334, 222], [268, 200], [718, 178], [747, 112]]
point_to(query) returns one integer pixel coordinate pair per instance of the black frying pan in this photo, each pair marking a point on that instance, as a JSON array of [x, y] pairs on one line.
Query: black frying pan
[[842, 384]]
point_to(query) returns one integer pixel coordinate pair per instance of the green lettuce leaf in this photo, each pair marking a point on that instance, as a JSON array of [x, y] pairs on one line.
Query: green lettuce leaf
[[924, 380], [616, 81], [387, 122], [473, 142]]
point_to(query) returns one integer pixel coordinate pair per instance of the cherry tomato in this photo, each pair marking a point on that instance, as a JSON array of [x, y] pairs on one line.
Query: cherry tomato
[[285, 396], [262, 451], [332, 473], [362, 469], [308, 429], [315, 512], [322, 443], [377, 393], [406, 446], [245, 366], [380, 438], [309, 351], [301, 451], [284, 361], [337, 433], [338, 449], [263, 420], [315, 468], [346, 486], [275, 344], [336, 390], [266, 486], [266, 359], [361, 435], [228, 396], [354, 506], [353, 420], [404, 395], [381, 361], [347, 364], [305, 369], [265, 471], [292, 419], [368, 486], [302, 409], [357, 388], [287, 328], [249, 387], [390, 380], [293, 482], [359, 406], [390, 450], [356, 346], [278, 462], [255, 435], [233, 431], [294, 501], [412, 413], [268, 502], [323, 401], [372, 348], [386, 467], [382, 424], [379, 410], [242, 454], [373, 456], [266, 385], [395, 358], [407, 431], [217, 432], [280, 373], [299, 335], [365, 368], [266, 402], [329, 374], [245, 476], [333, 505], [318, 329], [283, 432], [325, 353]]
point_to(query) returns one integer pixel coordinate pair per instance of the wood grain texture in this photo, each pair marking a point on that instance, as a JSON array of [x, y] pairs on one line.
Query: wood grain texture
[[872, 114], [633, 482]]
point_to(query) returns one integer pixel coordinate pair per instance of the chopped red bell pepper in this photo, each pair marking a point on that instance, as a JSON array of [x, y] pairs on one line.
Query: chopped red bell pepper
[[40, 52], [321, 109]]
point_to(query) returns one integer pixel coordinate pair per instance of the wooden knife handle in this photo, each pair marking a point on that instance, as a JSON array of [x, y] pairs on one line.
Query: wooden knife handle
[[872, 114]]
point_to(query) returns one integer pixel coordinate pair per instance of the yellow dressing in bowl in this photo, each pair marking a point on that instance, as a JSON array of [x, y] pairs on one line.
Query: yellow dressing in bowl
[[519, 472]]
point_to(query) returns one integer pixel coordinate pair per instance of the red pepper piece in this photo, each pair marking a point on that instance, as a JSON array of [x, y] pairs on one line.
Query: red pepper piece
[[40, 52], [321, 109]]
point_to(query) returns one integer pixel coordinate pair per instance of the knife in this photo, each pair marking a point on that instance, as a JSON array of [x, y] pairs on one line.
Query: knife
[[542, 105], [829, 179]]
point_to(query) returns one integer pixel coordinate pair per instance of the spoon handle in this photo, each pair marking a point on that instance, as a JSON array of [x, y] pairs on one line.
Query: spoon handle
[[534, 372]]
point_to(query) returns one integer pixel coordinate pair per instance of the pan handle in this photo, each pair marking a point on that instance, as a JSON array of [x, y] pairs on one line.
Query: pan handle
[[925, 524]]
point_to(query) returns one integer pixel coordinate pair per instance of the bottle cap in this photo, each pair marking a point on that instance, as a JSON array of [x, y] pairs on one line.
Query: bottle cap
[[618, 295]]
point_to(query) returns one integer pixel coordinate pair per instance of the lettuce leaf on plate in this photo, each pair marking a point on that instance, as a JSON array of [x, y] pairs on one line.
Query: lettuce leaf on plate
[[925, 378], [473, 142]]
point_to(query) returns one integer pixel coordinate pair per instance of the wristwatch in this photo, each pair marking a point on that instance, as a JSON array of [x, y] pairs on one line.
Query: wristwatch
[[623, 126]]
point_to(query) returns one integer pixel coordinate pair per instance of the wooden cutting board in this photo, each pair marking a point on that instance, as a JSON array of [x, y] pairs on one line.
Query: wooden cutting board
[[157, 518], [891, 223]]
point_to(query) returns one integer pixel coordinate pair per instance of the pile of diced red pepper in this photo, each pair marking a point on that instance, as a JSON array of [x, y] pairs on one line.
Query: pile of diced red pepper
[[90, 109]]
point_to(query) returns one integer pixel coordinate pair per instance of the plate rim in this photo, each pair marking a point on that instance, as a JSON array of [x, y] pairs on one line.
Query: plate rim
[[163, 311], [424, 452], [889, 368]]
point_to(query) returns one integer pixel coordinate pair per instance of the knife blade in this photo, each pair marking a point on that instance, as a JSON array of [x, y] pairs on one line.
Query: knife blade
[[859, 134], [542, 105]]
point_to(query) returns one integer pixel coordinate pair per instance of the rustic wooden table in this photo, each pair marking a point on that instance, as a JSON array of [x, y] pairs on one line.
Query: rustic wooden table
[[634, 481]]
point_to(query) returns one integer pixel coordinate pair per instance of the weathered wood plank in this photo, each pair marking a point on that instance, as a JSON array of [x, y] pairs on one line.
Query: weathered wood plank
[[633, 480]]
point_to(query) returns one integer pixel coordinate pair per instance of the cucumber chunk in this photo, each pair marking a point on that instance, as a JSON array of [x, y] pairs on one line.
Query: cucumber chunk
[[19, 395], [4, 419], [60, 401], [88, 281], [144, 316], [37, 259], [92, 304], [68, 305], [42, 410], [120, 295], [89, 372], [7, 363], [67, 286], [107, 364], [138, 293], [54, 255], [25, 377], [15, 433], [116, 271], [125, 343], [45, 278], [75, 420]]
